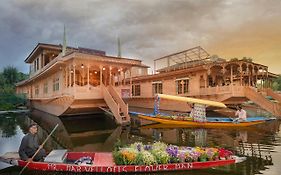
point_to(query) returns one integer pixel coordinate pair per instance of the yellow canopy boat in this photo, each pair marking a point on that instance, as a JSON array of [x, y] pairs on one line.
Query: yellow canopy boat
[[210, 123], [191, 100], [198, 119]]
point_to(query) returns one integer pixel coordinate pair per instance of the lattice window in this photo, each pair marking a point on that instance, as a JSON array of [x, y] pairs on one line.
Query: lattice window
[[157, 88], [182, 86], [45, 88], [56, 84], [136, 90]]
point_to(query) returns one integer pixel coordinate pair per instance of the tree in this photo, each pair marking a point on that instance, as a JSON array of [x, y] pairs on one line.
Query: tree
[[2, 80], [277, 83], [10, 74], [8, 97]]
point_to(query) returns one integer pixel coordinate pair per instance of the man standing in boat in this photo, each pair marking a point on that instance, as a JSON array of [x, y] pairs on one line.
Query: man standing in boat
[[241, 114], [29, 145]]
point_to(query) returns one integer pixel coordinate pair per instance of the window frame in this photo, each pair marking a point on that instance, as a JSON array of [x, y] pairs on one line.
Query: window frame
[[134, 92], [182, 88], [157, 87]]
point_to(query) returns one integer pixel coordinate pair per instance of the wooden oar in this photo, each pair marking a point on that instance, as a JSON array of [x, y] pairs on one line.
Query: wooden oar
[[40, 147]]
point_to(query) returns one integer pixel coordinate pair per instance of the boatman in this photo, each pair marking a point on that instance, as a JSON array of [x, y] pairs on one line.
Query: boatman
[[29, 145], [241, 114]]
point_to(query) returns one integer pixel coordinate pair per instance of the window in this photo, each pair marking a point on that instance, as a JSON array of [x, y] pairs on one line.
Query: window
[[34, 65], [56, 84], [36, 90], [140, 71], [37, 64], [45, 88], [182, 85], [135, 90], [157, 87]]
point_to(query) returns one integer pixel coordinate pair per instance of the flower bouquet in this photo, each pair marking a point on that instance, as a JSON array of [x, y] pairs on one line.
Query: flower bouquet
[[161, 153]]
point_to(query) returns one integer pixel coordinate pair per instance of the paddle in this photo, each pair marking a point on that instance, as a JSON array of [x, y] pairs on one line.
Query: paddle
[[40, 147]]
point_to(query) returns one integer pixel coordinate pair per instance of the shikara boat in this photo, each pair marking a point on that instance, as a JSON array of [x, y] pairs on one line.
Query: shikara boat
[[210, 123], [203, 122], [103, 163]]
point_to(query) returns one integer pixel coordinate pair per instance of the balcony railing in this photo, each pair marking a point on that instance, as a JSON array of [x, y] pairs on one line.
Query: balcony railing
[[231, 89]]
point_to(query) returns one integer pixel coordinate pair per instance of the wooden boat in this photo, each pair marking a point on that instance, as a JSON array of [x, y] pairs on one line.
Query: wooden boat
[[210, 123], [103, 162], [198, 118]]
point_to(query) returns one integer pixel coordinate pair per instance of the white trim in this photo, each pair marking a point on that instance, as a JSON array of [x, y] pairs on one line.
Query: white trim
[[186, 78]]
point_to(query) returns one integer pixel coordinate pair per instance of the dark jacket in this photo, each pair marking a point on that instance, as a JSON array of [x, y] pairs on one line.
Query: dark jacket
[[28, 146]]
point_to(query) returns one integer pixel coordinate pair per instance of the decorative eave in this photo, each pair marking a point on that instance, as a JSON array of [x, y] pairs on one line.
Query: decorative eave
[[39, 47]]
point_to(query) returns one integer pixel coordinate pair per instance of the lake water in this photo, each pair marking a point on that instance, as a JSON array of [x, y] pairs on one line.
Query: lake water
[[260, 144]]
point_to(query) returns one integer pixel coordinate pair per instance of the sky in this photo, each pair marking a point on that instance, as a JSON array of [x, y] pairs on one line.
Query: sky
[[148, 29]]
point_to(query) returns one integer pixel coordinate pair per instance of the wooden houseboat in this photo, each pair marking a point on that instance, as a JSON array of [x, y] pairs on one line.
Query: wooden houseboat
[[77, 81], [71, 81]]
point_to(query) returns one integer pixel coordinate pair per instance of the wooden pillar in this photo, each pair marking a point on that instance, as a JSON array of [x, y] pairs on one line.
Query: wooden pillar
[[118, 77], [110, 76], [74, 77], [124, 78], [43, 60], [100, 75], [208, 74], [205, 80], [231, 74], [248, 74], [256, 82], [88, 77], [121, 74], [70, 76], [65, 76]]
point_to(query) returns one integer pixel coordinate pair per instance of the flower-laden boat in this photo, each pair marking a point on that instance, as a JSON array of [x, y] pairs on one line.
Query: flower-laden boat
[[134, 158], [197, 116]]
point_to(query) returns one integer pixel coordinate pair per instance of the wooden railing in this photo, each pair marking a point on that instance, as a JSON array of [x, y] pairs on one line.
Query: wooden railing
[[123, 106], [260, 100], [113, 106], [231, 89]]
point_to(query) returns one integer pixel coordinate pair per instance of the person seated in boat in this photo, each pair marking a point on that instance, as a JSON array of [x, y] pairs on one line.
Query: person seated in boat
[[29, 145], [241, 114]]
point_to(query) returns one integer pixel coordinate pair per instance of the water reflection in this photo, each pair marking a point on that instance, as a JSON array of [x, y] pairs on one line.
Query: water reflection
[[99, 133]]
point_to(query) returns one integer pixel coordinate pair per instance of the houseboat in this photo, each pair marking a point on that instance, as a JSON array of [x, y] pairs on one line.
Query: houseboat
[[194, 73], [71, 81]]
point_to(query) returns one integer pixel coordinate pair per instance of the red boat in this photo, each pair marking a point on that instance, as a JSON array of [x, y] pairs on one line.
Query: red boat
[[103, 162]]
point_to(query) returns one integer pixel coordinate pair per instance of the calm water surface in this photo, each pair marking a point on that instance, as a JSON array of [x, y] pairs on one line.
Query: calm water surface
[[261, 144]]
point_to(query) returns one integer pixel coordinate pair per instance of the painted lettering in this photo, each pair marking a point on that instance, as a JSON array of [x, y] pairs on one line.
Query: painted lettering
[[124, 169], [88, 169], [136, 168], [177, 166], [78, 168], [73, 169], [147, 168], [52, 167], [109, 169], [190, 165], [68, 167]]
